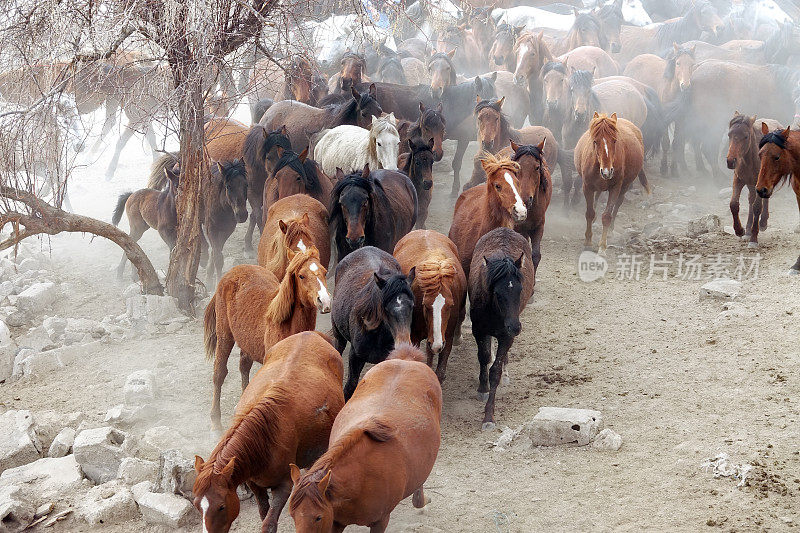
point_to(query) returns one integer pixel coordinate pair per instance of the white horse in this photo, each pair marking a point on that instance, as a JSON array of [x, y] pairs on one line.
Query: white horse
[[351, 147], [532, 18], [633, 11]]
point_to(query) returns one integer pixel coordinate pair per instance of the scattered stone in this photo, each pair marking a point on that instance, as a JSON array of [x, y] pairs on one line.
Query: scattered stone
[[99, 452], [722, 466], [16, 511], [124, 416], [51, 423], [5, 334], [607, 441], [725, 192], [723, 288], [176, 474], [55, 327], [8, 351], [157, 439], [156, 310], [18, 441], [37, 297], [62, 444], [133, 471], [140, 388], [109, 503], [553, 426], [165, 509], [704, 224], [32, 364], [48, 478], [44, 509]]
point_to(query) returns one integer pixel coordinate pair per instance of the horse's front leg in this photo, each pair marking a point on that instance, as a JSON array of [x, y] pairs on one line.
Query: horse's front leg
[[280, 495], [245, 364], [764, 213], [484, 343], [588, 195], [536, 244], [224, 347], [734, 205], [127, 133], [355, 365], [495, 373], [262, 498], [614, 195], [461, 149]]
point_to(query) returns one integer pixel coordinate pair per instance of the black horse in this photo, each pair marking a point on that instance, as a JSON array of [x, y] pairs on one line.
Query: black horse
[[372, 308], [417, 163]]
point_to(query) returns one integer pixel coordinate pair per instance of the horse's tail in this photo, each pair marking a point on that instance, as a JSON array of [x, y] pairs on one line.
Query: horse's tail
[[121, 201], [676, 108], [210, 328], [654, 125], [157, 178], [643, 181]]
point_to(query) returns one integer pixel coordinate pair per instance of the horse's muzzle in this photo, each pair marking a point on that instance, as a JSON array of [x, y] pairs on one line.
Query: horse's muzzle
[[520, 80], [241, 216], [731, 162], [607, 173], [763, 192], [355, 244], [685, 85], [514, 328], [498, 60], [427, 185]]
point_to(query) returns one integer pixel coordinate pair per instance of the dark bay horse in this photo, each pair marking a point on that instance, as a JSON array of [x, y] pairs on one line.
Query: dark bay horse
[[254, 310], [296, 174], [501, 283], [440, 293], [417, 163], [587, 30], [372, 308], [283, 417], [353, 67], [371, 208], [382, 448], [431, 124], [779, 152]]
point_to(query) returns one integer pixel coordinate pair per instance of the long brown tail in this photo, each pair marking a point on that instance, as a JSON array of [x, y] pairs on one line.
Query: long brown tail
[[210, 329], [157, 178], [643, 181], [121, 201]]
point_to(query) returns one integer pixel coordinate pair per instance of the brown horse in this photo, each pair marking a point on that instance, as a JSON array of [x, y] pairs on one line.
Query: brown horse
[[587, 30], [590, 58], [442, 72], [293, 82], [296, 174], [609, 156], [484, 208], [382, 448], [494, 133], [353, 67], [253, 309], [742, 158], [532, 54], [293, 223], [502, 53], [440, 292], [302, 120], [779, 152], [283, 417], [150, 208], [417, 163]]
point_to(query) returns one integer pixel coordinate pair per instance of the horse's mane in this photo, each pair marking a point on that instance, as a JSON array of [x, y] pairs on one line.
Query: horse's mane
[[590, 22], [371, 300], [346, 110], [533, 151], [681, 30], [307, 170], [498, 269], [774, 137], [738, 119], [391, 61], [610, 10], [433, 273], [254, 432], [278, 244], [556, 66], [582, 80], [787, 78], [533, 39], [603, 125], [307, 487], [379, 125], [280, 308], [230, 169], [446, 58], [495, 163], [672, 58], [430, 118], [354, 55]]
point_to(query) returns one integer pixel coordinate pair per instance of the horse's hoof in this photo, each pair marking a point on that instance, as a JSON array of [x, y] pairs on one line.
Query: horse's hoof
[[752, 245], [488, 426], [505, 379], [588, 248], [601, 252], [457, 341], [482, 396], [793, 272], [745, 236]]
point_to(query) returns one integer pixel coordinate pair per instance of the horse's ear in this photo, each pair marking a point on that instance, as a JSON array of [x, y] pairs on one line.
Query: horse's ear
[[356, 95], [501, 102], [785, 133], [541, 35], [477, 99], [392, 118], [227, 472], [431, 143], [540, 146], [478, 84], [374, 118], [365, 172], [402, 159], [439, 108], [339, 174], [290, 254], [675, 46], [303, 155], [294, 472], [764, 128], [614, 117], [284, 130], [412, 274], [323, 483], [514, 146], [451, 53], [693, 49], [305, 218], [282, 225], [596, 115], [494, 76], [219, 168], [402, 129], [736, 113], [421, 107], [280, 150], [198, 463], [379, 281], [373, 91], [485, 261], [521, 261]]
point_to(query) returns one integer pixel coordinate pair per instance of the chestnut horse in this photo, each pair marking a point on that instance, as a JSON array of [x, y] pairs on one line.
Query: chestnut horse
[[481, 209], [294, 223], [283, 417], [372, 307], [609, 156], [779, 152], [353, 67], [742, 158], [501, 282], [296, 174], [532, 54], [382, 448], [440, 293], [253, 309]]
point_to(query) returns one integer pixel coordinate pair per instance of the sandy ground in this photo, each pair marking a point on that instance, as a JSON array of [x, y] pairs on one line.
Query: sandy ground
[[680, 380]]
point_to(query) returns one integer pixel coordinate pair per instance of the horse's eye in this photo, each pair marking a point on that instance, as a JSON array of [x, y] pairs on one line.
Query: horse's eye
[[318, 519], [222, 507], [379, 144], [777, 157], [302, 276], [497, 187]]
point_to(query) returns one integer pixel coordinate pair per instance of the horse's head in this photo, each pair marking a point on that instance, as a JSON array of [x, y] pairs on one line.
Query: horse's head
[[418, 162], [442, 72], [706, 17], [603, 132], [291, 173], [502, 49], [353, 66], [308, 275], [611, 19], [484, 86], [309, 504], [740, 137], [489, 119], [351, 199], [433, 126], [777, 161], [384, 141], [555, 84], [633, 12], [582, 97], [681, 63], [234, 187], [274, 142], [504, 281], [502, 186], [297, 235], [367, 106], [586, 31], [397, 301], [319, 89], [533, 166], [435, 278], [215, 496], [299, 79], [391, 71], [532, 53]]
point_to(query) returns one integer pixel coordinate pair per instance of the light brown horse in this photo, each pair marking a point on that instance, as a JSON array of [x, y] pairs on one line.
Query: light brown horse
[[293, 223], [532, 54], [502, 53], [779, 152], [440, 292], [293, 82], [383, 447], [296, 174], [283, 417], [609, 156], [484, 208], [590, 58], [743, 136], [253, 309], [353, 67]]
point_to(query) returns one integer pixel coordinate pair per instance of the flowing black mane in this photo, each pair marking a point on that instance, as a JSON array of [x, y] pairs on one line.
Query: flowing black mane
[[347, 112], [681, 30], [774, 137], [589, 22], [500, 269]]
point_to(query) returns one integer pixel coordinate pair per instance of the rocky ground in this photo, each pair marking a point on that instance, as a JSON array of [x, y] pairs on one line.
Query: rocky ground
[[106, 393]]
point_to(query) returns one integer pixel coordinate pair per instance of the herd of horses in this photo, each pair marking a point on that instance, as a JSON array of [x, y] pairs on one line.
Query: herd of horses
[[337, 169]]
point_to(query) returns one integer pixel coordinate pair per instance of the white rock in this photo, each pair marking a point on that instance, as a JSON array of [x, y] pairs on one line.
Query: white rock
[[51, 423], [176, 473], [38, 297], [16, 511], [18, 441], [721, 289], [54, 326], [133, 471], [5, 334], [157, 310], [36, 364], [166, 509], [62, 443], [48, 478], [99, 452], [109, 503], [553, 426], [8, 351], [140, 388], [157, 439], [704, 224], [607, 440]]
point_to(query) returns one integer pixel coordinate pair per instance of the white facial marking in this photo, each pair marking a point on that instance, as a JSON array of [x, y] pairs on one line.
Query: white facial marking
[[510, 284], [301, 246], [519, 207], [605, 145], [313, 267], [521, 54], [204, 506], [438, 305], [324, 296]]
